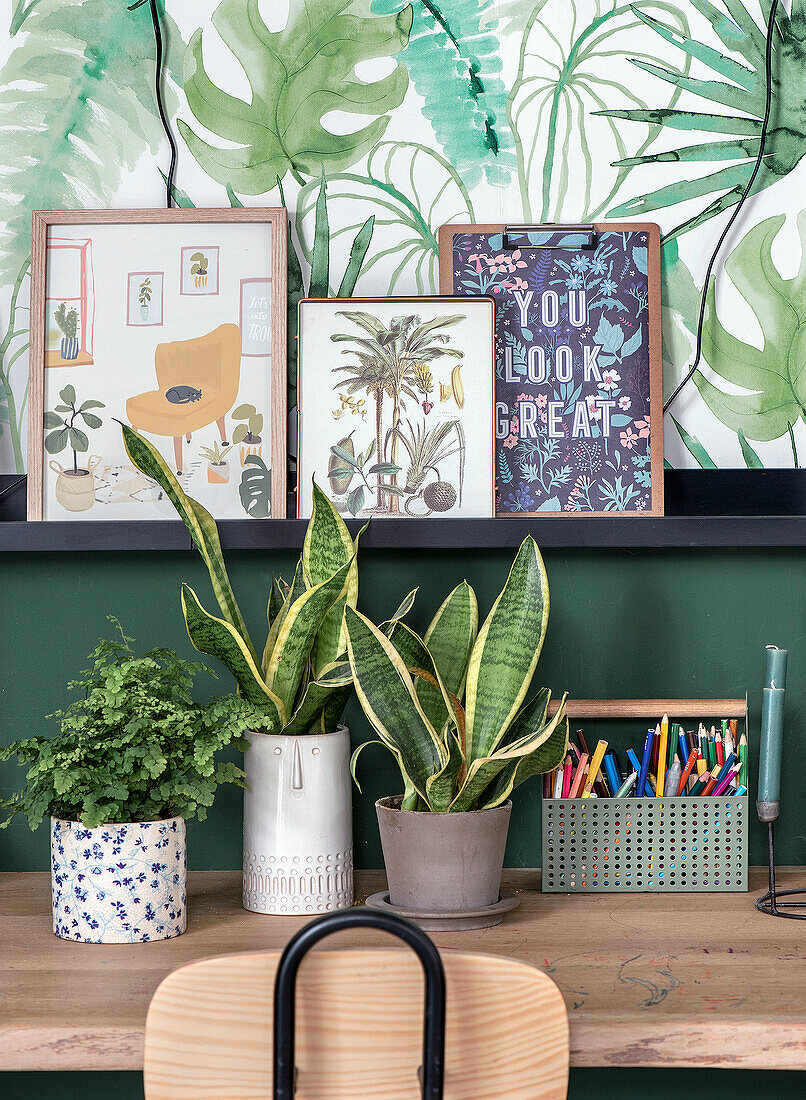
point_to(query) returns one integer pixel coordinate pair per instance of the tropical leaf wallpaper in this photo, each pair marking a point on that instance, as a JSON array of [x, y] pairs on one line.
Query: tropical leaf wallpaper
[[435, 111]]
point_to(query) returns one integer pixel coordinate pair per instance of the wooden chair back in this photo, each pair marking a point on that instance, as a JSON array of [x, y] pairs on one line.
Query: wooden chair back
[[359, 1028]]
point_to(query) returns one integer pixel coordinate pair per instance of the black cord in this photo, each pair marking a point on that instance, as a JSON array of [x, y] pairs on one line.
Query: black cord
[[737, 208], [155, 19]]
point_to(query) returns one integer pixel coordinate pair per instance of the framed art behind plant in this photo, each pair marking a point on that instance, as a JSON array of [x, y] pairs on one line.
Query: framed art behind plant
[[396, 405], [578, 390], [137, 317]]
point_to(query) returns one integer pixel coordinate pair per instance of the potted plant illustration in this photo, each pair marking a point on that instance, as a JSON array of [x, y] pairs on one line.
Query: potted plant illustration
[[67, 320], [452, 707], [298, 851], [426, 447], [75, 489], [144, 297], [390, 363], [134, 759], [217, 468], [198, 268], [247, 433]]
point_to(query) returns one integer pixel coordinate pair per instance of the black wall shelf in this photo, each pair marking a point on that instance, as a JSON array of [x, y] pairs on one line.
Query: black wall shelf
[[705, 508], [673, 532]]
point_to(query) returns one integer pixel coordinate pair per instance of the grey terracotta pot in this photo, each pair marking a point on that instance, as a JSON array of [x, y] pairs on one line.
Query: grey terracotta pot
[[442, 862]]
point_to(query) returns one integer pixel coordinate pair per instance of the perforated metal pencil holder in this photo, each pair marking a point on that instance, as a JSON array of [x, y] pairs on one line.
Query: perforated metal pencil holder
[[644, 845]]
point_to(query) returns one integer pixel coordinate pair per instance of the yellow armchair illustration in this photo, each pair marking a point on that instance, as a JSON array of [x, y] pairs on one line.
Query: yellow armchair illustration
[[198, 383]]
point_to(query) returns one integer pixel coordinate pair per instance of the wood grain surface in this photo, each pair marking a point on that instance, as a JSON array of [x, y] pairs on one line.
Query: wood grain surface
[[359, 1028], [649, 980], [653, 708]]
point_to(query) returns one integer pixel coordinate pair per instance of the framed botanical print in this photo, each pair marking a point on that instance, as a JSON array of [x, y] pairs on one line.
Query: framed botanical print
[[139, 316], [396, 405]]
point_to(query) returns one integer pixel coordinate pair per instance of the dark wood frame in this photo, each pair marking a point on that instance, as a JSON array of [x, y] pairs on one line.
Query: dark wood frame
[[278, 393], [446, 285]]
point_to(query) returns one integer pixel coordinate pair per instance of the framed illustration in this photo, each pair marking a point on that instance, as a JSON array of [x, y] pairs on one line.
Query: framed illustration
[[396, 405], [578, 390], [142, 351], [145, 298], [199, 269]]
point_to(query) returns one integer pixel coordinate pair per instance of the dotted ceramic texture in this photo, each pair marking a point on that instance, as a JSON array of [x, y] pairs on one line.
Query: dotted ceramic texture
[[645, 845], [283, 884]]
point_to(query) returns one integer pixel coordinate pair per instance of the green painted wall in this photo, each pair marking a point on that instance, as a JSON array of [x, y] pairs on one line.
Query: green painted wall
[[622, 624], [608, 1084]]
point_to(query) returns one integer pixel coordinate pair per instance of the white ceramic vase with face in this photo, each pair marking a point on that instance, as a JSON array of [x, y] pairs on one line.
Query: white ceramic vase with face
[[298, 823]]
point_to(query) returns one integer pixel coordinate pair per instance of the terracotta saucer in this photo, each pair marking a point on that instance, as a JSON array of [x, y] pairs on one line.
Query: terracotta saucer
[[453, 920]]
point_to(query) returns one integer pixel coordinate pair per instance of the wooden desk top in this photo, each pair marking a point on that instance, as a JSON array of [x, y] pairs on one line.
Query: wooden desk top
[[649, 979]]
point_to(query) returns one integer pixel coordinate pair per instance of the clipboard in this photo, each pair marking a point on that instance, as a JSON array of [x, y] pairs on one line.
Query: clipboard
[[579, 383]]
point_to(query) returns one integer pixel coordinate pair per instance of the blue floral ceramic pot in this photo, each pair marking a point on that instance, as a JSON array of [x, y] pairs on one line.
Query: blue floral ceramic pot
[[118, 883]]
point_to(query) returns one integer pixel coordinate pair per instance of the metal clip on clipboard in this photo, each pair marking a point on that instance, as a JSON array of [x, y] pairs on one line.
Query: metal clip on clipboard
[[575, 238]]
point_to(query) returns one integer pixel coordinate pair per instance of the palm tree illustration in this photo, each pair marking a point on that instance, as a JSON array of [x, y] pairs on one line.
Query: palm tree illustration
[[369, 374], [386, 357]]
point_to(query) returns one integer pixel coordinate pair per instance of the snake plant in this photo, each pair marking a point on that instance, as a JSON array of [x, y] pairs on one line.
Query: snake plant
[[451, 706], [298, 682]]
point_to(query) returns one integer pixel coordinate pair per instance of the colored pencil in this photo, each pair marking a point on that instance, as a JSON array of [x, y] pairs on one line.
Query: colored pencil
[[614, 780], [700, 785], [729, 762], [579, 776], [723, 784], [691, 737], [634, 761], [743, 760], [673, 745], [567, 776], [710, 785], [645, 759], [660, 786], [583, 743], [729, 743], [596, 760], [627, 785], [740, 790], [683, 745], [558, 783], [687, 771], [720, 751], [619, 770]]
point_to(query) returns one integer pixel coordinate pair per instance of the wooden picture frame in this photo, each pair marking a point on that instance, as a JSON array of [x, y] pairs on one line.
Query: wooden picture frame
[[452, 393], [230, 379], [449, 283]]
